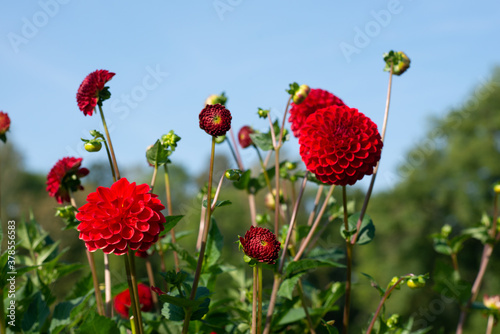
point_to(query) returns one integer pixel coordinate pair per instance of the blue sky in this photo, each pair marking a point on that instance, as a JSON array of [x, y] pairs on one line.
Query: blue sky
[[168, 56]]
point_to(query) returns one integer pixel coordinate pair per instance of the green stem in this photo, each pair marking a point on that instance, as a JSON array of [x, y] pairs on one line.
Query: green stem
[[134, 295], [491, 324], [349, 249], [300, 289], [259, 315], [170, 212], [110, 161], [276, 177], [314, 226], [485, 259], [201, 256], [108, 139], [151, 278], [238, 157], [375, 170], [382, 301], [264, 170], [153, 178], [255, 299]]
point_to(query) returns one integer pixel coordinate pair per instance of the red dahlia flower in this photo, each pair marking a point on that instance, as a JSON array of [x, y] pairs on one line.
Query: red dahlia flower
[[4, 125], [244, 136], [215, 119], [316, 99], [121, 217], [340, 145], [260, 244], [65, 177], [92, 90], [123, 302]]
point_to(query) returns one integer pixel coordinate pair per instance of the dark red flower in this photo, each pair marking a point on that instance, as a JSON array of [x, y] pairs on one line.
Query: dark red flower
[[215, 119], [4, 125], [244, 136], [92, 89], [123, 302], [4, 122], [121, 217], [316, 99], [65, 177], [340, 145], [260, 244]]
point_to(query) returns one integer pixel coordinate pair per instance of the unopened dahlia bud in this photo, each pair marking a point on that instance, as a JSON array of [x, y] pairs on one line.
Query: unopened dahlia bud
[[216, 99], [496, 188], [93, 146], [492, 302], [301, 94], [416, 282], [244, 136], [233, 174], [262, 113], [270, 201], [399, 60], [215, 119]]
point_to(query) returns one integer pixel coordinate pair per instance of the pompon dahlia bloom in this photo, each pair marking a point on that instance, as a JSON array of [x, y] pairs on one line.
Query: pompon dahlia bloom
[[65, 177], [122, 216], [260, 244], [316, 99], [244, 136], [340, 145], [492, 302], [123, 302], [92, 89], [215, 119]]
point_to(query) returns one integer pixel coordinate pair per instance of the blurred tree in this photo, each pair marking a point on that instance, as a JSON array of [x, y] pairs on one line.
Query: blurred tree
[[446, 179]]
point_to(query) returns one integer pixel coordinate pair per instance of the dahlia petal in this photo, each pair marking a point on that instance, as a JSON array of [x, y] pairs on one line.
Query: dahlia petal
[[127, 232], [137, 237]]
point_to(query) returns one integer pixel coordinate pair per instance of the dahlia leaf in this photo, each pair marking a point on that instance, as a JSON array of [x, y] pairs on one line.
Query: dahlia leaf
[[218, 203], [263, 141], [366, 231], [98, 324], [214, 245], [244, 180], [297, 267], [292, 315], [170, 223], [329, 327], [62, 314], [288, 285], [157, 155], [36, 314]]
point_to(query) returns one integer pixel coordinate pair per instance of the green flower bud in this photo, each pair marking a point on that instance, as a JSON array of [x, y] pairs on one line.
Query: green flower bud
[[399, 61], [393, 321], [301, 94], [262, 113], [262, 219], [446, 230], [496, 188], [290, 165], [416, 282], [233, 174], [393, 281], [217, 99], [93, 146]]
